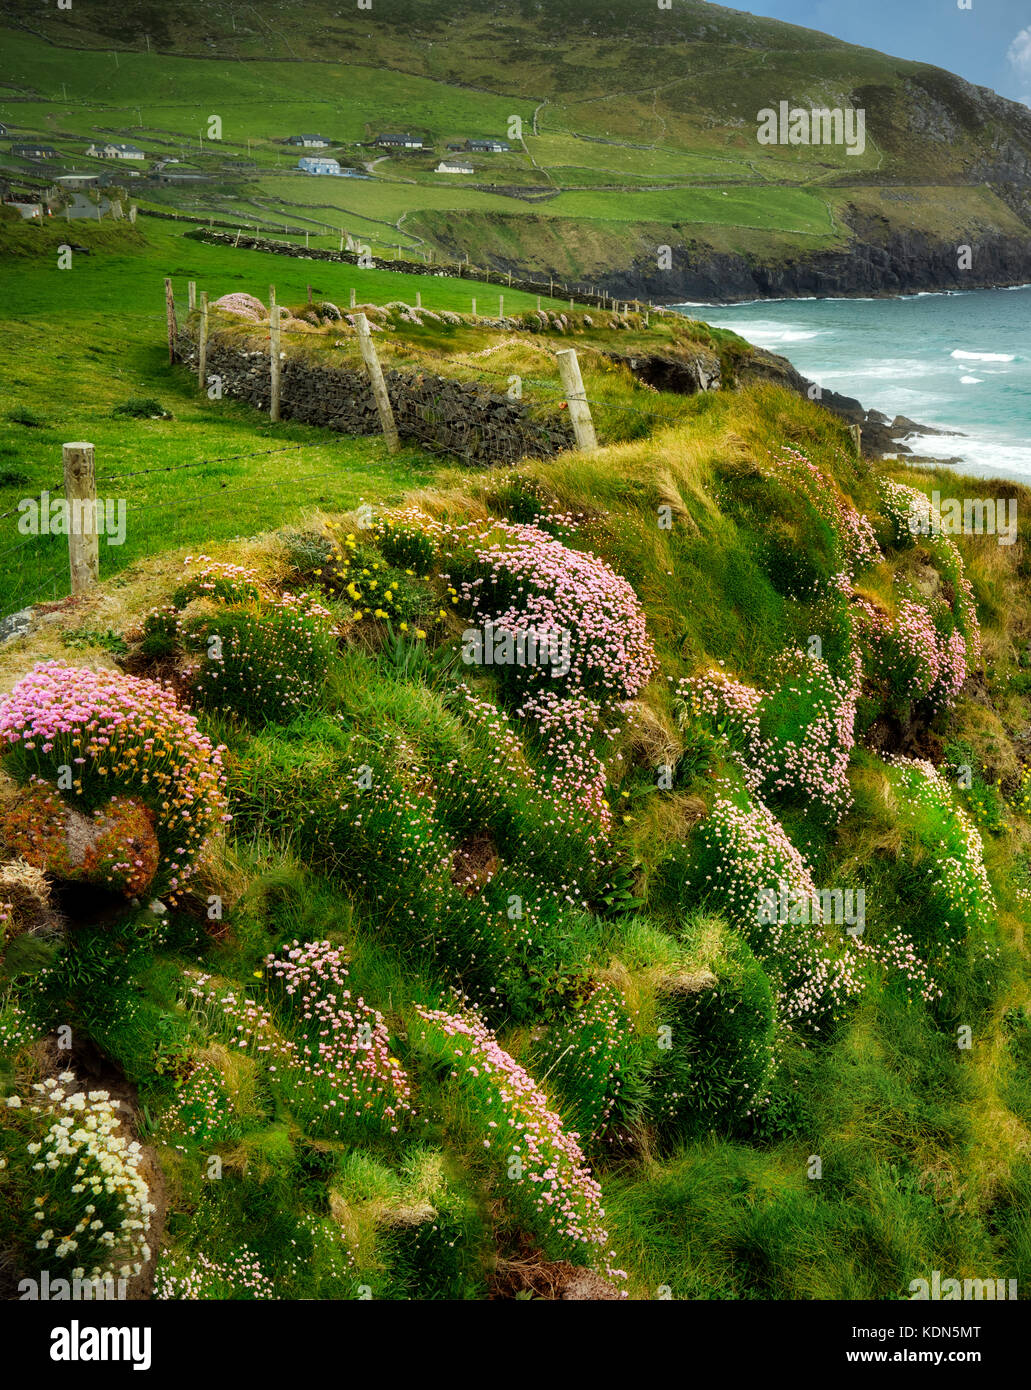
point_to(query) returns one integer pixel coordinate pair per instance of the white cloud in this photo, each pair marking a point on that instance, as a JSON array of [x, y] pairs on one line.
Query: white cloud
[[1019, 55]]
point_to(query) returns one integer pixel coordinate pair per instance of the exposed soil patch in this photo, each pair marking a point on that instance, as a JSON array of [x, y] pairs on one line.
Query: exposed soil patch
[[474, 863], [550, 1279]]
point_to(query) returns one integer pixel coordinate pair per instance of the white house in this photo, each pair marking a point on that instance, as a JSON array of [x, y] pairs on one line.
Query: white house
[[113, 150], [454, 166], [318, 164], [309, 142]]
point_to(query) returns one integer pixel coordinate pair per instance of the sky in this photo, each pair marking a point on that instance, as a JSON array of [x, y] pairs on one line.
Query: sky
[[986, 41]]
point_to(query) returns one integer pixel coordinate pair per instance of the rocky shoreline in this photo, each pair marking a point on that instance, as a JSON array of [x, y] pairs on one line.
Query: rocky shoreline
[[881, 435]]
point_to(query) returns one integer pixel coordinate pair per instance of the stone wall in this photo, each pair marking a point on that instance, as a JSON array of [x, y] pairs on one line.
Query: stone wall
[[461, 418], [448, 270]]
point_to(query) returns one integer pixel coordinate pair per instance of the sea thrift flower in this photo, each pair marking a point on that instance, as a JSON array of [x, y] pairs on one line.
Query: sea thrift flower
[[238, 1275], [119, 733], [547, 1175], [330, 1057], [522, 580], [959, 870], [855, 544], [909, 512], [808, 697], [814, 971]]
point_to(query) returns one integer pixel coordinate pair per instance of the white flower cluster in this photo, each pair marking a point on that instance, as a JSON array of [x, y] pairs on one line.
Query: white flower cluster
[[83, 1144]]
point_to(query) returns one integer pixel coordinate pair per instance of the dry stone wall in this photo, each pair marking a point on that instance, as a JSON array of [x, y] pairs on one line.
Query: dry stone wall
[[461, 418]]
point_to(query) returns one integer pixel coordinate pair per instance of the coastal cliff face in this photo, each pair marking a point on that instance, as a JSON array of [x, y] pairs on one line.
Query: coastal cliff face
[[895, 262]]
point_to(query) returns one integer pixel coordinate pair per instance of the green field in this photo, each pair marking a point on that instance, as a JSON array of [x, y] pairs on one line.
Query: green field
[[108, 346], [682, 113]]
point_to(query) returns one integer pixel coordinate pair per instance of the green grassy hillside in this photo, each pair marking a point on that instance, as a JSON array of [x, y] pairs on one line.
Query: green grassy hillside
[[638, 129], [423, 977]]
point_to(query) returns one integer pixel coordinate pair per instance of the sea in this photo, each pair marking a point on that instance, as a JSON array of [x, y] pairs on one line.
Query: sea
[[958, 361]]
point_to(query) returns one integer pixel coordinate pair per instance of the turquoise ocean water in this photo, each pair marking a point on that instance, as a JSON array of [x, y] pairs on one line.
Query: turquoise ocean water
[[955, 361]]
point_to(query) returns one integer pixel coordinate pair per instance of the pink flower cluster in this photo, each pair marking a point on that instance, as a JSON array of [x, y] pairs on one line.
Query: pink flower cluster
[[814, 973], [909, 511], [917, 648], [202, 1110], [961, 873], [550, 587], [120, 732], [754, 855], [238, 1276], [952, 669], [245, 305], [567, 725], [720, 699], [528, 582], [548, 1175], [816, 765], [217, 579], [917, 660], [230, 583], [573, 796], [339, 1064], [854, 535]]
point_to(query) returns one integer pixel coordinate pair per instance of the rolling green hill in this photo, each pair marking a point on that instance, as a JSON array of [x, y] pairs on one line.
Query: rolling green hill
[[638, 130]]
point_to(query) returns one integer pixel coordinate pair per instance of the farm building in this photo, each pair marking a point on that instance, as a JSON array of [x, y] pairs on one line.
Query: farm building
[[399, 142], [115, 150], [454, 166], [174, 176], [3, 128], [34, 151], [487, 146], [309, 142], [318, 164], [75, 183]]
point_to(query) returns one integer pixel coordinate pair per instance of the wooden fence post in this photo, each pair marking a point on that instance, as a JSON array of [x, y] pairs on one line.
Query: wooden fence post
[[501, 306], [576, 398], [202, 342], [379, 386], [474, 307], [309, 294], [80, 490], [170, 313], [275, 365], [856, 431], [418, 299], [352, 299], [191, 295]]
